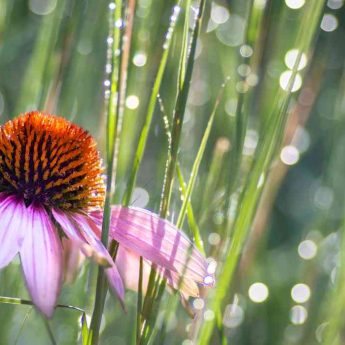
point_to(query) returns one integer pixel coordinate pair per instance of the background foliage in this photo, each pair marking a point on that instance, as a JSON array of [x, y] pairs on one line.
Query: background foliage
[[53, 57]]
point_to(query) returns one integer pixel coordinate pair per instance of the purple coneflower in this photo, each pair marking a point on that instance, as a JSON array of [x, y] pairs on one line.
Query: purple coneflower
[[51, 189]]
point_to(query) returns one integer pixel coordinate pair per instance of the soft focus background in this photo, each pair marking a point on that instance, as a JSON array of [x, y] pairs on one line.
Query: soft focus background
[[288, 285]]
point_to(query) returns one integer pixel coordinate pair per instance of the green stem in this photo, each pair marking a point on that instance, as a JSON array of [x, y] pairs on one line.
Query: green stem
[[113, 129]]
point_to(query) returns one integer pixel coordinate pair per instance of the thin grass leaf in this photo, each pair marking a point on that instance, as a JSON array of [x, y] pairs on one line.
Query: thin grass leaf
[[190, 213], [20, 301], [178, 115], [84, 330], [195, 170], [267, 148], [112, 134], [185, 45]]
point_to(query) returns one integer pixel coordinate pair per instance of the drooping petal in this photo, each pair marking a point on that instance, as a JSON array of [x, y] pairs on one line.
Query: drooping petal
[[116, 283], [128, 264], [13, 223], [79, 229], [41, 258], [72, 259], [158, 241]]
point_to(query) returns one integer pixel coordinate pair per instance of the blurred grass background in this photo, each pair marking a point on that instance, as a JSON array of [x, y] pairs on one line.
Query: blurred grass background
[[288, 287]]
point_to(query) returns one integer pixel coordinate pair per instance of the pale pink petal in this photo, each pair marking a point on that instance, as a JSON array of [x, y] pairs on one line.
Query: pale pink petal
[[81, 230], [13, 224], [72, 259], [158, 241], [128, 264], [41, 257], [116, 283]]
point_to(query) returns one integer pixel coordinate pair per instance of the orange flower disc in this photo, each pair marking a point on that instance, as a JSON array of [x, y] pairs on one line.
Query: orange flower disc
[[46, 159]]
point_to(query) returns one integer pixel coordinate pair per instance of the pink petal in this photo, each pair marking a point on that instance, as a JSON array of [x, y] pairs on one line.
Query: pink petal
[[82, 231], [41, 257], [14, 221], [158, 241], [128, 264], [116, 283], [72, 259]]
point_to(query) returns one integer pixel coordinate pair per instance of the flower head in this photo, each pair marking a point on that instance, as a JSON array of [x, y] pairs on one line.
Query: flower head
[[52, 191]]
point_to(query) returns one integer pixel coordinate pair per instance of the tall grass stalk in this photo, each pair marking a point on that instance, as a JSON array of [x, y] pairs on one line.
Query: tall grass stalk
[[114, 120]]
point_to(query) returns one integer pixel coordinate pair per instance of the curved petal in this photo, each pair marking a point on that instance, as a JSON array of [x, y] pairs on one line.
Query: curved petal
[[41, 257], [72, 259], [116, 283], [128, 264], [158, 241], [81, 230], [14, 221]]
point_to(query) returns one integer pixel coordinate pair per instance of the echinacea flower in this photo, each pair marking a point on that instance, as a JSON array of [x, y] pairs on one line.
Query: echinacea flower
[[52, 192]]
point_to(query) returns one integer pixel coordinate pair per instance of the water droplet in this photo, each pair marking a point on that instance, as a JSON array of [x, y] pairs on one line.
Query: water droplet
[[119, 23], [110, 40], [108, 68]]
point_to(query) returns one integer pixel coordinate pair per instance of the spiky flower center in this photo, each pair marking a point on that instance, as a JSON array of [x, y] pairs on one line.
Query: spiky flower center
[[47, 160]]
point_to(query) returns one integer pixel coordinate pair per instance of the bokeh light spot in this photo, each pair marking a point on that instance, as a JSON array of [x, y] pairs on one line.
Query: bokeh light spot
[[42, 7], [214, 238], [258, 292], [295, 4], [329, 22], [307, 249], [289, 155], [300, 293], [132, 102], [335, 4], [298, 315], [284, 81], [139, 59], [219, 14], [291, 57]]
